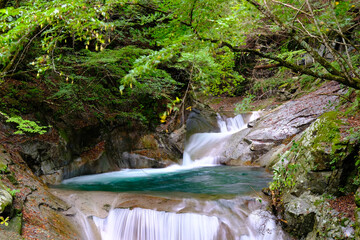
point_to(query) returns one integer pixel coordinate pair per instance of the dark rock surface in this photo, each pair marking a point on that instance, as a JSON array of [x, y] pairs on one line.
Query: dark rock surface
[[201, 121], [88, 152]]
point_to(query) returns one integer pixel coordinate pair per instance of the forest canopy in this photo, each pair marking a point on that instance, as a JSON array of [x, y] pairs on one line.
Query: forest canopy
[[138, 57]]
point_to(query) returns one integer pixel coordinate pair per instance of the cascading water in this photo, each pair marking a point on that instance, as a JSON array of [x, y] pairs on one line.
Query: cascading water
[[205, 149], [232, 215], [140, 223]]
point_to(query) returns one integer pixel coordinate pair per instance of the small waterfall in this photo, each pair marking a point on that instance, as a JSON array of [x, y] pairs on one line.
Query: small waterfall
[[230, 125], [145, 224], [205, 149]]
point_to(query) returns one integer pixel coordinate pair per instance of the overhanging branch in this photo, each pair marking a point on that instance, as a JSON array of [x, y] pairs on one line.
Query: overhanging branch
[[297, 68]]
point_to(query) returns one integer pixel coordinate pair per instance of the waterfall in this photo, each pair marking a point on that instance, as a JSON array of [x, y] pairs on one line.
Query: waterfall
[[242, 218], [239, 217], [205, 149], [230, 125], [146, 224]]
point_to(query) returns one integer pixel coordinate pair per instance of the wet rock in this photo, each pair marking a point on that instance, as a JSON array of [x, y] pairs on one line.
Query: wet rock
[[15, 226], [325, 163], [95, 149], [281, 125], [139, 161], [5, 199], [31, 200], [148, 142], [299, 212], [201, 121], [325, 160], [177, 138]]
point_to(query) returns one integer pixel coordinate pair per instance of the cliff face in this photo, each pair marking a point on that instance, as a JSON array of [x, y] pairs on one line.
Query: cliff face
[[32, 210], [316, 177]]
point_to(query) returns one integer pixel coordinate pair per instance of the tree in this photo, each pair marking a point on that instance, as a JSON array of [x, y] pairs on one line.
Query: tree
[[179, 44], [324, 32]]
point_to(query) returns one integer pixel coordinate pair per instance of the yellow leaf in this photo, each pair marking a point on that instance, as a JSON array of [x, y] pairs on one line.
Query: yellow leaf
[[188, 108], [163, 117]]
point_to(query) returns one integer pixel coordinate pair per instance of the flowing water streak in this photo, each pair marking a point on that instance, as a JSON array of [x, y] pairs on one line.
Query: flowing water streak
[[135, 224], [205, 149]]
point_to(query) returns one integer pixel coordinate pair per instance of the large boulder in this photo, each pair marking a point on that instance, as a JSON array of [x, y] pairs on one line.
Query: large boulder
[[319, 162], [300, 213], [201, 121], [323, 156], [280, 126]]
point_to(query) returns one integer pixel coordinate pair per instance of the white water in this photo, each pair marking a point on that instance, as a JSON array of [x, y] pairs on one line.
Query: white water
[[234, 219], [125, 224], [242, 218], [205, 149]]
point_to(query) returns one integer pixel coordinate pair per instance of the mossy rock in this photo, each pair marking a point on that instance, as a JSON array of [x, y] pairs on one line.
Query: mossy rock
[[15, 225], [5, 198], [321, 145], [149, 142]]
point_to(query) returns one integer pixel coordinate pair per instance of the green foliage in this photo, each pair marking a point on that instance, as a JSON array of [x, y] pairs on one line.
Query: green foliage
[[13, 192], [245, 104], [55, 21], [285, 174], [128, 59], [25, 126]]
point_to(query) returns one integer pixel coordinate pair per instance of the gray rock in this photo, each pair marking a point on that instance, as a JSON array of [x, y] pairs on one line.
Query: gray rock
[[139, 161], [281, 125], [201, 122], [177, 138], [299, 212], [5, 199]]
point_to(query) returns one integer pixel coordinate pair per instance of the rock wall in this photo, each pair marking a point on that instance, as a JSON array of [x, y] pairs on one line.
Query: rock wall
[[314, 170], [66, 153], [279, 126], [32, 212]]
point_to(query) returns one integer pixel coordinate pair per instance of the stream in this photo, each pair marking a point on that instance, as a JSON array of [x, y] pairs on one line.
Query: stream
[[198, 200]]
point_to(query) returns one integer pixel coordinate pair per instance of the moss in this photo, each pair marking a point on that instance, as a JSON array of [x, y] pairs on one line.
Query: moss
[[15, 225], [323, 144], [64, 135]]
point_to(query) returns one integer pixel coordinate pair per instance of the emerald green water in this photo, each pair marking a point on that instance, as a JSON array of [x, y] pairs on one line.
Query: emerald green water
[[216, 180]]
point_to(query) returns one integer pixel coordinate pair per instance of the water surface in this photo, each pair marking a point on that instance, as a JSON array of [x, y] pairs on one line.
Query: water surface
[[215, 180]]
